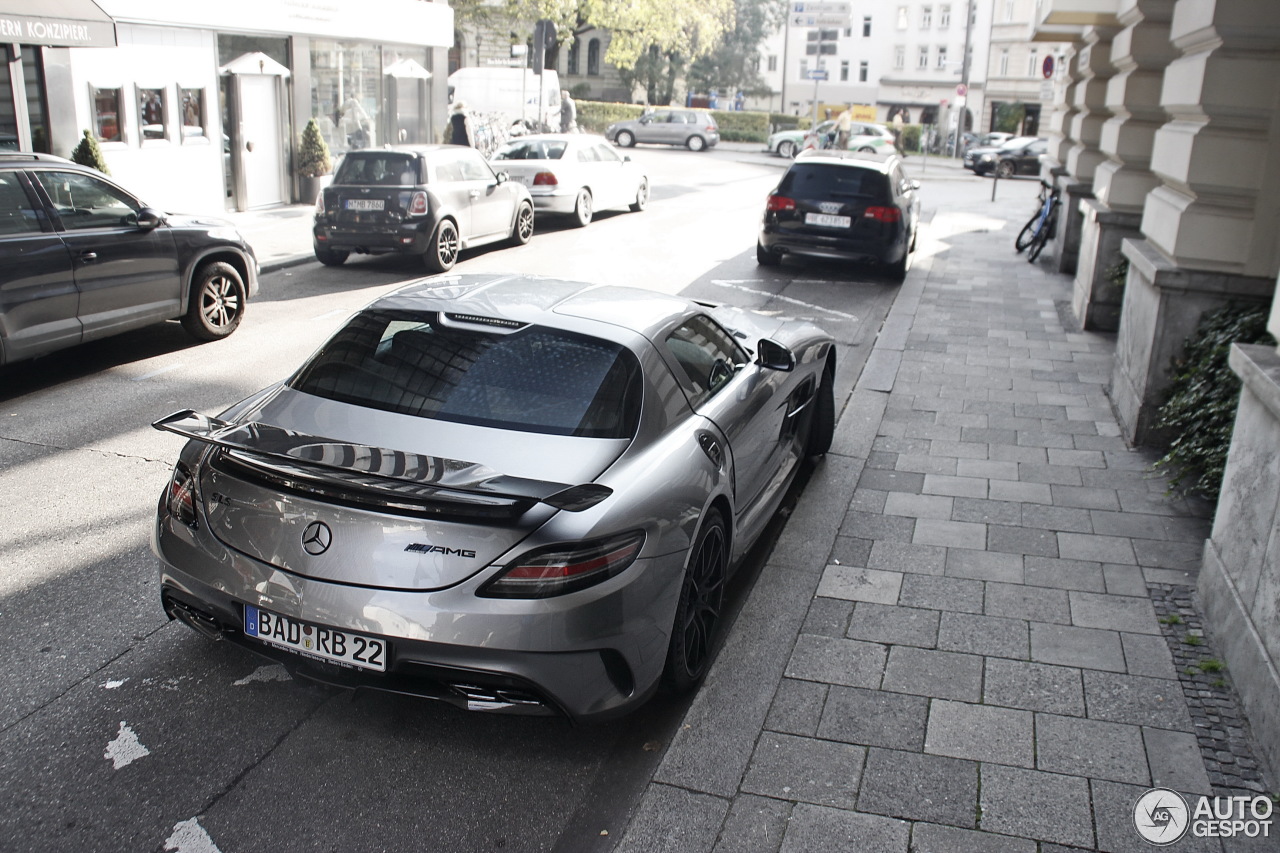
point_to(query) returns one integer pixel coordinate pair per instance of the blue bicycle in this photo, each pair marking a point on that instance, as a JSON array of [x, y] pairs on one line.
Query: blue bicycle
[[1040, 227]]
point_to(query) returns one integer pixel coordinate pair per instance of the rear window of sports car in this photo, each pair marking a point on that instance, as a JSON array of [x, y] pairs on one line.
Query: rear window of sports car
[[835, 182], [531, 378]]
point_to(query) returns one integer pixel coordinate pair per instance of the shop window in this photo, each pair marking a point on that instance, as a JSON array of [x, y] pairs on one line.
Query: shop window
[[106, 115], [153, 110], [593, 58], [346, 92], [193, 114]]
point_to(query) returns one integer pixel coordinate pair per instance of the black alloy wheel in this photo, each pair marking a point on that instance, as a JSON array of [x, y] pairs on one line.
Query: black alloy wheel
[[698, 610], [442, 254]]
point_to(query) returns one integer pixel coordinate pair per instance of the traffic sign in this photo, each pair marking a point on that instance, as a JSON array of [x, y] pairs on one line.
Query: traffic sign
[[823, 7], [819, 21], [961, 91], [1046, 68], [818, 74]]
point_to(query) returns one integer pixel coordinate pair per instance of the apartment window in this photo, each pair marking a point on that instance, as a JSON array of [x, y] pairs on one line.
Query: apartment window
[[193, 114], [848, 31], [575, 51], [926, 17], [844, 71], [899, 57], [1008, 10], [153, 113], [944, 17], [1004, 63], [106, 115], [923, 61], [862, 71], [942, 56], [902, 17], [1033, 64], [866, 26], [773, 63], [593, 58], [804, 69]]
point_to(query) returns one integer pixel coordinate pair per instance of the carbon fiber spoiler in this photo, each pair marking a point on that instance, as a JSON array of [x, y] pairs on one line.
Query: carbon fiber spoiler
[[292, 454]]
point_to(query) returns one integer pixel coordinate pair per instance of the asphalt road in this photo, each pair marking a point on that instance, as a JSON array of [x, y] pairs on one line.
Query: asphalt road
[[120, 731]]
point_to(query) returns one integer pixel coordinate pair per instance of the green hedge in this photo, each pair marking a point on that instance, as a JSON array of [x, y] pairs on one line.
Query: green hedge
[[595, 116], [735, 126]]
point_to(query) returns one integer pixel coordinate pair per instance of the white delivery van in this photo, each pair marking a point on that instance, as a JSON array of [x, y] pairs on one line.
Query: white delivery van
[[515, 92]]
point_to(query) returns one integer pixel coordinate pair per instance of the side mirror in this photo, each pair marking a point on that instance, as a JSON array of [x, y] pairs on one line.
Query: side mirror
[[775, 356], [645, 119], [502, 176], [915, 185], [149, 219]]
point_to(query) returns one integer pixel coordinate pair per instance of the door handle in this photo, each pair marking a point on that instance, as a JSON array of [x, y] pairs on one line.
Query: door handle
[[475, 193], [88, 256]]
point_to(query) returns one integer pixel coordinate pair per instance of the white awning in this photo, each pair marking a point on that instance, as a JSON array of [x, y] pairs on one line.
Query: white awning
[[56, 23]]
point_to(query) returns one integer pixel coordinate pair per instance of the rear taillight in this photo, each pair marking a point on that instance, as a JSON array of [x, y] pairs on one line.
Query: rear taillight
[[182, 495], [780, 202], [883, 214], [545, 179], [559, 569], [418, 204], [320, 203]]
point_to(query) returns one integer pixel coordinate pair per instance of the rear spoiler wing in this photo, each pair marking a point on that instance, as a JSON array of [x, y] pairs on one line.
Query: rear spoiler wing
[[292, 455]]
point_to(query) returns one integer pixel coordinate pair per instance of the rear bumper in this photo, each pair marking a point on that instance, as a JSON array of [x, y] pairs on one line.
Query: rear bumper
[[832, 248], [409, 238], [592, 654]]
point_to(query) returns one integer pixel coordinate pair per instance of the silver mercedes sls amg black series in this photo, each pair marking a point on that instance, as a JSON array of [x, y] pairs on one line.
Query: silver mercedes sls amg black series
[[511, 493]]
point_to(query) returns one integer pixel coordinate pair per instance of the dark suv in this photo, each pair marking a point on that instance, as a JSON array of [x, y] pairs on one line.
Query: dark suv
[[842, 205], [81, 258]]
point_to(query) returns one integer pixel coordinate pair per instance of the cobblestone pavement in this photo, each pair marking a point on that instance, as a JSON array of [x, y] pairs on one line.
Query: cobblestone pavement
[[973, 634]]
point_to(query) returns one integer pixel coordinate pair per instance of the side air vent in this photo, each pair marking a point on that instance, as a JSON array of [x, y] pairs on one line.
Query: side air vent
[[711, 447]]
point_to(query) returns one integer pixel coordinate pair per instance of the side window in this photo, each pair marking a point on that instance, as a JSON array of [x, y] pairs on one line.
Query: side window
[[605, 154], [474, 168], [587, 155], [84, 202], [707, 354], [17, 214], [446, 169]]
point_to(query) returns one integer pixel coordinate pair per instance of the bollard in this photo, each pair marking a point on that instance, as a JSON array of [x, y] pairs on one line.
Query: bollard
[[995, 179]]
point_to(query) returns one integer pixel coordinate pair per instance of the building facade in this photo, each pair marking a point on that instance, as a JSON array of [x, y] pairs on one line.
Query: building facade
[[199, 107]]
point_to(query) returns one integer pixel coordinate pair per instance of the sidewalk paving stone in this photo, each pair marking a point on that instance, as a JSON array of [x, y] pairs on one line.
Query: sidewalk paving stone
[[674, 820], [909, 626], [817, 829], [917, 786], [858, 584], [1034, 804], [797, 707], [1033, 603], [951, 534], [932, 838], [959, 594], [991, 636], [981, 732], [905, 557], [925, 672], [874, 718], [805, 769], [1034, 687], [1148, 655], [1100, 750], [1086, 648], [754, 825], [1114, 612], [994, 511], [1083, 575], [984, 565], [1136, 699], [850, 662], [1175, 761]]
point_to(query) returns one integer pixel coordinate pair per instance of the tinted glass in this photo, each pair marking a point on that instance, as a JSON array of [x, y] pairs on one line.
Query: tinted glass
[[83, 201], [707, 354], [531, 149], [17, 216], [831, 182], [533, 380], [378, 168]]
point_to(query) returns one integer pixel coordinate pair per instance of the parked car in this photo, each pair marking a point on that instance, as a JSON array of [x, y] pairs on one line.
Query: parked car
[[994, 139], [865, 137], [574, 174], [82, 258], [1018, 156], [844, 206], [695, 129], [507, 492], [432, 201]]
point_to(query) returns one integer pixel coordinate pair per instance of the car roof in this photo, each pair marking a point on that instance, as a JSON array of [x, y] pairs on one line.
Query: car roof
[[12, 157], [542, 300], [860, 159], [558, 137]]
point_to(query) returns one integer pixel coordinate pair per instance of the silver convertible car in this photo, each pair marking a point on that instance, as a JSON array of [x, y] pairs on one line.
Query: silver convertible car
[[510, 493]]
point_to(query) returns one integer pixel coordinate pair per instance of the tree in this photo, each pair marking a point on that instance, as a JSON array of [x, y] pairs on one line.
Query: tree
[[313, 152], [734, 63], [656, 73], [87, 153]]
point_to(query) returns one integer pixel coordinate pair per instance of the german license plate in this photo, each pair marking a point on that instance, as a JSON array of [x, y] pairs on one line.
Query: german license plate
[[314, 641], [366, 203], [826, 220]]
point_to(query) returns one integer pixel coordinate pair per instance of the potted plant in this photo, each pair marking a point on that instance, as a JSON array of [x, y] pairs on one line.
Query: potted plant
[[314, 163], [88, 153]]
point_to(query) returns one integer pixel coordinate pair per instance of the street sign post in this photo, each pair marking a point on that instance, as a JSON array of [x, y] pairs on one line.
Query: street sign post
[[818, 74]]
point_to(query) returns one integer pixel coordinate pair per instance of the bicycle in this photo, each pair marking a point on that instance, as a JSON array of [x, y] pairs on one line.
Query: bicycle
[[1040, 227]]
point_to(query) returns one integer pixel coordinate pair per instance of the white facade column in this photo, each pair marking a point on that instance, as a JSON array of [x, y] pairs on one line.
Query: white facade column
[[1140, 53], [1209, 229]]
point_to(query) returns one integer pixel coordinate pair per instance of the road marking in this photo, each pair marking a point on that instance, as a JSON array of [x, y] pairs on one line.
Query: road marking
[[273, 672], [157, 372], [736, 284], [189, 837], [126, 748]]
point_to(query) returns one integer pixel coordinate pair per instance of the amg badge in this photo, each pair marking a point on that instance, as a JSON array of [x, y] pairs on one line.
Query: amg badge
[[423, 548]]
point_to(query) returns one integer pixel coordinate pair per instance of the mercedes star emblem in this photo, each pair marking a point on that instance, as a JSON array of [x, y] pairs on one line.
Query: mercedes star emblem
[[316, 538]]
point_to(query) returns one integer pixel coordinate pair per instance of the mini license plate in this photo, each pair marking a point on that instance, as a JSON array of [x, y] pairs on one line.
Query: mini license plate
[[315, 641], [366, 203], [827, 220]]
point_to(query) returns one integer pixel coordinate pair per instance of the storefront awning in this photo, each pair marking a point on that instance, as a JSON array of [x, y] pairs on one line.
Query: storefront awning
[[56, 23]]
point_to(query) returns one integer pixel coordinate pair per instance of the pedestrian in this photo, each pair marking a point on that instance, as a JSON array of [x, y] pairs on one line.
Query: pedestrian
[[568, 112], [355, 123], [844, 122], [458, 125]]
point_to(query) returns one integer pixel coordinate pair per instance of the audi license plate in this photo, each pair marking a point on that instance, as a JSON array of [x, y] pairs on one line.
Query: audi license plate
[[366, 203], [827, 220], [314, 641]]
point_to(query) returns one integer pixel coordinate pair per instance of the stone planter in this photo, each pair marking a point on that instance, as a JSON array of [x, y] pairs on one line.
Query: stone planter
[[309, 188]]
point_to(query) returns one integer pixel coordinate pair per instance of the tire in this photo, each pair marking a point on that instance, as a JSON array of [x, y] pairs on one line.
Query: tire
[[1026, 235], [1041, 237], [582, 211], [1005, 169], [642, 197], [442, 254], [698, 609], [330, 257], [696, 143], [217, 300], [523, 230], [898, 271], [867, 149], [766, 258], [822, 424], [787, 149], [626, 139]]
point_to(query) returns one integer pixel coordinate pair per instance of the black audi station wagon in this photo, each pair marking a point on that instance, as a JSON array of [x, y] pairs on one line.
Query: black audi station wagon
[[81, 258], [845, 206]]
